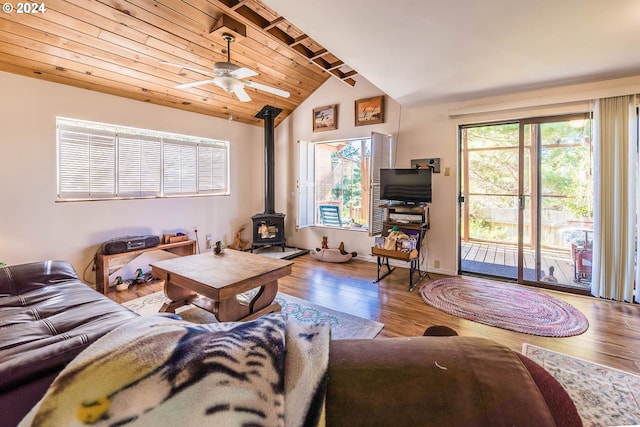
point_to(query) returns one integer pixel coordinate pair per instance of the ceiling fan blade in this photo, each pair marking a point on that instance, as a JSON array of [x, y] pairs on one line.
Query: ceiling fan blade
[[265, 88], [241, 94], [243, 73], [187, 67], [192, 84]]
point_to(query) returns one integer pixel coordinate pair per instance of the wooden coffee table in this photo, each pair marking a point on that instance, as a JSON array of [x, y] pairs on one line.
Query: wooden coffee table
[[213, 282]]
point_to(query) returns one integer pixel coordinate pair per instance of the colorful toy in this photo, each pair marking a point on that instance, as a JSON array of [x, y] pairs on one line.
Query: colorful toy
[[122, 285]]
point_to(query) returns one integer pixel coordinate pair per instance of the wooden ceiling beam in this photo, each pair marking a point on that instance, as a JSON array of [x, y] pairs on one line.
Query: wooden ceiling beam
[[274, 23], [334, 66], [239, 4], [299, 40], [342, 76], [227, 24], [243, 11], [319, 54]]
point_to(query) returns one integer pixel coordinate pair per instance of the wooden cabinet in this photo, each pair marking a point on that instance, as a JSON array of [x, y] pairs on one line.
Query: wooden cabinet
[[107, 264], [413, 221]]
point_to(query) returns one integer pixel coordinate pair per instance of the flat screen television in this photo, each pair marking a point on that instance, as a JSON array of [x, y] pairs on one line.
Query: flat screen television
[[410, 186]]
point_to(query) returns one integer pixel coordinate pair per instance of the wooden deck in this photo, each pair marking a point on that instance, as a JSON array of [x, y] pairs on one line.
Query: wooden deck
[[502, 260]]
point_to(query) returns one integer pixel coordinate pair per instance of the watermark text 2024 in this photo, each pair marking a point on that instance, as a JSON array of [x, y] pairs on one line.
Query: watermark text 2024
[[22, 8]]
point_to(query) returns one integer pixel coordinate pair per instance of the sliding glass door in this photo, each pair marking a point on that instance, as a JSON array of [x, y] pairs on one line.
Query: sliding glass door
[[527, 201], [489, 210], [562, 204]]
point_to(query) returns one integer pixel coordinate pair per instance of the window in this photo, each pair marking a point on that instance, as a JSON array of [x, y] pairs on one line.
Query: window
[[338, 182], [100, 161]]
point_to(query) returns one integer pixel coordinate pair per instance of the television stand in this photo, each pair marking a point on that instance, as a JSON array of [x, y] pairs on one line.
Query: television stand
[[414, 221]]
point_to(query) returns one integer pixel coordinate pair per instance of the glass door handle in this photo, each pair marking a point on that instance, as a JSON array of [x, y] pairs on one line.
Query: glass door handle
[[521, 202]]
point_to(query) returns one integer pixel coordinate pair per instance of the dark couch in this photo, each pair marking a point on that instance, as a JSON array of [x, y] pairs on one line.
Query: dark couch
[[48, 316]]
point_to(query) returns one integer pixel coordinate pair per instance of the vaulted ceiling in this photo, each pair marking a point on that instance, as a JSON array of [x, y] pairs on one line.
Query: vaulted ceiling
[[417, 52], [422, 52], [122, 48]]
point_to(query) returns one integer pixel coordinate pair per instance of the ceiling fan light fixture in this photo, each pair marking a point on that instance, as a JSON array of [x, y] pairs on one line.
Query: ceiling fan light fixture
[[223, 68], [228, 83], [228, 76]]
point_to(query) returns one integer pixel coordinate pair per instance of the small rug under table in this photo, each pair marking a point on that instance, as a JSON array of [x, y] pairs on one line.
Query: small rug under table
[[604, 396], [343, 325]]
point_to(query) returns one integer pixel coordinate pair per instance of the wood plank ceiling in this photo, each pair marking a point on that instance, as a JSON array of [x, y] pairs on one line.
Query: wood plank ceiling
[[117, 46]]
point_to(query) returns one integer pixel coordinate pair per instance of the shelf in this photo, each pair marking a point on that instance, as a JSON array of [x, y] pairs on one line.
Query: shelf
[[417, 229], [105, 264], [387, 253]]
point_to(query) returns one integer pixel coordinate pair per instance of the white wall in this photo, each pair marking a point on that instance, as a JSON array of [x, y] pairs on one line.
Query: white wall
[[34, 227], [425, 132], [298, 126], [418, 134]]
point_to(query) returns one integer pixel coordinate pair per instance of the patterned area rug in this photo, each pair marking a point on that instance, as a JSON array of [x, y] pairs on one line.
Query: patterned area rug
[[505, 306], [343, 325], [604, 396]]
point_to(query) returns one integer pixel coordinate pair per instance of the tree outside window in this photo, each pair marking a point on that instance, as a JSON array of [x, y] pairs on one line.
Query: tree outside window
[[342, 179]]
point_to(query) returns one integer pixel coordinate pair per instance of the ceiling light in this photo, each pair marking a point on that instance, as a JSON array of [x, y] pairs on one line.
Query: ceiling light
[[229, 84]]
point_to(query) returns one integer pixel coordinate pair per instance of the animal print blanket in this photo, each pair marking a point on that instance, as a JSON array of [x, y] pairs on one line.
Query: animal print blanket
[[160, 371]]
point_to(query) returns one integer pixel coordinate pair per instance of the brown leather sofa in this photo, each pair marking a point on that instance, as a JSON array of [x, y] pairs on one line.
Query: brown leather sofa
[[47, 316]]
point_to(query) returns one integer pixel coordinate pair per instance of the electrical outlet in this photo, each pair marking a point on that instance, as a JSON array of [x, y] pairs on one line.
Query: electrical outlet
[[436, 263], [209, 243]]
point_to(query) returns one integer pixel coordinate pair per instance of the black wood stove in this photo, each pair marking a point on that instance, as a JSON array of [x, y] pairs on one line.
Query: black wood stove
[[268, 227]]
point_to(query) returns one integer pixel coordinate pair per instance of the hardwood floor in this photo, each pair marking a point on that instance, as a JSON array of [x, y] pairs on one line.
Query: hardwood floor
[[613, 337]]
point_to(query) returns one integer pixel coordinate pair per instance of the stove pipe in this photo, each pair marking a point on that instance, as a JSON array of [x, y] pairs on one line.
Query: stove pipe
[[268, 114]]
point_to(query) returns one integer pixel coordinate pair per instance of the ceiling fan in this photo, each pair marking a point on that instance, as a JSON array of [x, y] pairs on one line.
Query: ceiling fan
[[228, 76]]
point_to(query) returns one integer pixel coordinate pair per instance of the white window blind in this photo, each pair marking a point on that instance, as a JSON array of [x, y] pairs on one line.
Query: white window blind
[[97, 161], [86, 163], [138, 166], [180, 168], [212, 168]]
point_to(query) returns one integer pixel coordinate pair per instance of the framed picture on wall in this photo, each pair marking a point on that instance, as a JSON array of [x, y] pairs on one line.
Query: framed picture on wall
[[370, 111], [325, 118]]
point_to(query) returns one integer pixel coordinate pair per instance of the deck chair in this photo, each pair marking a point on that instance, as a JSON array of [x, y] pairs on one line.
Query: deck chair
[[330, 215]]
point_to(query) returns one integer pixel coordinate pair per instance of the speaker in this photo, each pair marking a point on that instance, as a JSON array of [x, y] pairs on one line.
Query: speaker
[[129, 243]]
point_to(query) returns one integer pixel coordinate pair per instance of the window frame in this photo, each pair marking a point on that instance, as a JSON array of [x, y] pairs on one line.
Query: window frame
[[381, 157], [133, 163]]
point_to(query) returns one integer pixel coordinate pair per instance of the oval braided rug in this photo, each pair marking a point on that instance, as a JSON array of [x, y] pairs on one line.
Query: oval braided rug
[[505, 306]]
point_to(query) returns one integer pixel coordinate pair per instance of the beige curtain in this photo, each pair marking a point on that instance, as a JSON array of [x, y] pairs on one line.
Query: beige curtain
[[636, 284], [615, 161]]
